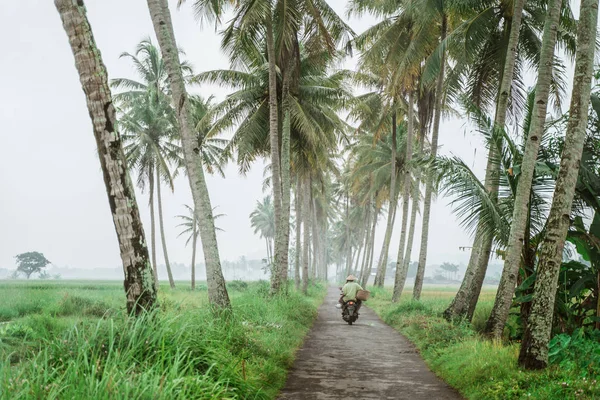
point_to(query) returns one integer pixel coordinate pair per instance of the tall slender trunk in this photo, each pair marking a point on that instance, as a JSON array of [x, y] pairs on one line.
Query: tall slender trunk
[[298, 230], [506, 289], [325, 246], [163, 27], [366, 244], [348, 241], [439, 105], [286, 182], [534, 348], [162, 229], [140, 288], [369, 267], [316, 246], [268, 251], [411, 226], [275, 160], [306, 241], [415, 204], [194, 245], [356, 268], [152, 225], [382, 264], [401, 272], [482, 243]]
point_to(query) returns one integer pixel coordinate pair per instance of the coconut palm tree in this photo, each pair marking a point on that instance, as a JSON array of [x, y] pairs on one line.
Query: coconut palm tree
[[534, 354], [496, 49], [189, 227], [376, 113], [262, 219], [150, 148], [149, 129], [140, 287], [163, 27], [508, 281], [279, 27]]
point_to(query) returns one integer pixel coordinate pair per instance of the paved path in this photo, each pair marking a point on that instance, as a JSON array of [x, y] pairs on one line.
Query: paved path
[[388, 366]]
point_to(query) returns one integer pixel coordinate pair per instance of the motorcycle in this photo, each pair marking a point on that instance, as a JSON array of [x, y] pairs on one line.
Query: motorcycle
[[350, 312]]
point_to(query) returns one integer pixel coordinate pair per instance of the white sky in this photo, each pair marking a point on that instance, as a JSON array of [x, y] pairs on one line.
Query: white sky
[[52, 193]]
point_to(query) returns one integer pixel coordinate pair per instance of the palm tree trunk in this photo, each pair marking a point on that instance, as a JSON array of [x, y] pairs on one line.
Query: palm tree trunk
[[324, 245], [411, 227], [482, 243], [152, 225], [369, 266], [506, 289], [286, 182], [372, 256], [162, 229], [400, 271], [268, 251], [348, 241], [439, 105], [298, 230], [534, 348], [356, 268], [415, 204], [140, 287], [382, 265], [366, 244], [163, 27], [275, 160], [316, 247], [194, 245], [306, 241]]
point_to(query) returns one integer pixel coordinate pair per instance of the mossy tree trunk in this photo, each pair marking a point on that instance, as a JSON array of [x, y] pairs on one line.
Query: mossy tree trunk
[[482, 243], [383, 257], [163, 27], [140, 287], [400, 278], [534, 347], [506, 288], [439, 104], [298, 230], [306, 226]]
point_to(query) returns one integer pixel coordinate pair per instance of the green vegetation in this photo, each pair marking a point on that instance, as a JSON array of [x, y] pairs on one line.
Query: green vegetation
[[483, 369], [74, 340]]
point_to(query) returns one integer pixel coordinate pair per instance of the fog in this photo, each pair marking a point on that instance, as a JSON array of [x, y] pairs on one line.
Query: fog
[[53, 198]]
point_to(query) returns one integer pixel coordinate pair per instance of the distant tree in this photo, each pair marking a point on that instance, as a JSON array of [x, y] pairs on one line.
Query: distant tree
[[30, 263], [190, 227], [262, 219], [45, 275], [451, 269]]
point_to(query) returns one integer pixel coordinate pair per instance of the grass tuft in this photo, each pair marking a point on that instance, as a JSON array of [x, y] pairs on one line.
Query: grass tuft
[[483, 369], [81, 345]]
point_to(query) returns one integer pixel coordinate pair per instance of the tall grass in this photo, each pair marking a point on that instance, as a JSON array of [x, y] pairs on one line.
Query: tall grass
[[181, 351], [479, 368]]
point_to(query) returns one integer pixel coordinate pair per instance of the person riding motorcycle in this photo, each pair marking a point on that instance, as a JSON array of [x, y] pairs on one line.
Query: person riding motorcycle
[[349, 291]]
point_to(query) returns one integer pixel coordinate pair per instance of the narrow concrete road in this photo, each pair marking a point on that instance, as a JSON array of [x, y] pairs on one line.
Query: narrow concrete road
[[368, 360]]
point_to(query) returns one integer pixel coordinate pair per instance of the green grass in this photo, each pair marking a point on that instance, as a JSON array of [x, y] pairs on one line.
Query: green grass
[[73, 340], [482, 369]]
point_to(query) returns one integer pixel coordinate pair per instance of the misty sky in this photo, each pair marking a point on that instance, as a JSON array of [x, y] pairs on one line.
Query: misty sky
[[52, 193]]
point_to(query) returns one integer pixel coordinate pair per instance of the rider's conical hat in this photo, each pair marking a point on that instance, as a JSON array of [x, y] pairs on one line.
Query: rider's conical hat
[[351, 278]]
